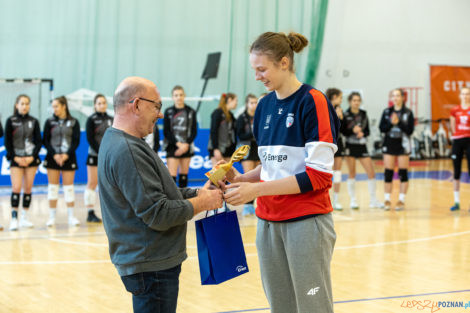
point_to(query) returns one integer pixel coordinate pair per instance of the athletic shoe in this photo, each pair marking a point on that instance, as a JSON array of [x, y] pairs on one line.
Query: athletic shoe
[[92, 218], [24, 223], [354, 205], [248, 209], [455, 207], [337, 207], [387, 205], [376, 204], [14, 224], [50, 222], [73, 221], [400, 206]]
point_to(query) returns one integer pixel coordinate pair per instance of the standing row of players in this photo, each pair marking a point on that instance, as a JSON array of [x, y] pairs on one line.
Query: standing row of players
[[397, 125], [61, 137]]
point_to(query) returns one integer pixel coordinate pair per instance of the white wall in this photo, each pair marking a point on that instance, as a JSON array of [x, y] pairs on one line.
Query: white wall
[[385, 44]]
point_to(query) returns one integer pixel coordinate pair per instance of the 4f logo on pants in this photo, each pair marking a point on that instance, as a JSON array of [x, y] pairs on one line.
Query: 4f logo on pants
[[313, 291]]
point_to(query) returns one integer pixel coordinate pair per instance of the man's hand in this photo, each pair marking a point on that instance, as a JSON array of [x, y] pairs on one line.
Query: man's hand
[[207, 199]]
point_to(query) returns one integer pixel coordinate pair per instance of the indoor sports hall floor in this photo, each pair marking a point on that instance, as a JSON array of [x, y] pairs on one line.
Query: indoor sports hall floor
[[383, 261]]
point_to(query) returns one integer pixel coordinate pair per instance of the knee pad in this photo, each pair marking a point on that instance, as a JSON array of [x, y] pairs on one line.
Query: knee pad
[[52, 192], [388, 175], [26, 200], [183, 180], [15, 200], [69, 194], [337, 177], [89, 197], [403, 173]]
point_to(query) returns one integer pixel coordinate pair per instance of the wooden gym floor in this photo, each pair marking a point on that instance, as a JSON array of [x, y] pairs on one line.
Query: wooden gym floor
[[383, 261]]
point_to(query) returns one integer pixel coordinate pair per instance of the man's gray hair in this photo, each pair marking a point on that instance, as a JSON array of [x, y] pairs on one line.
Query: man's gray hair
[[125, 93]]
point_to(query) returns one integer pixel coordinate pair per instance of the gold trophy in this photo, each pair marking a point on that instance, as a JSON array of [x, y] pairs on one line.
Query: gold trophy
[[219, 171]]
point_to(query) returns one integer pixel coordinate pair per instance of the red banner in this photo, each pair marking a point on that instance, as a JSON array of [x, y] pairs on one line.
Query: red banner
[[446, 82]]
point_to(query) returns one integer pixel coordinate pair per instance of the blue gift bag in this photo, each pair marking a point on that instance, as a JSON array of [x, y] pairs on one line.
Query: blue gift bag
[[220, 248]]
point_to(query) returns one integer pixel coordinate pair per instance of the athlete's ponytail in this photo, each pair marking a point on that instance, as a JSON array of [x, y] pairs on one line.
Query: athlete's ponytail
[[279, 45]]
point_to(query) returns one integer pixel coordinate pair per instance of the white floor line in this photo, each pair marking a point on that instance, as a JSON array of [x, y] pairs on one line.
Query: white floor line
[[389, 243], [80, 243], [53, 262], [378, 244]]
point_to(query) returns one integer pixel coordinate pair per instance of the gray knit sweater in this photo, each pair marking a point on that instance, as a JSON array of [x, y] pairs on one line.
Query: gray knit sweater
[[144, 212]]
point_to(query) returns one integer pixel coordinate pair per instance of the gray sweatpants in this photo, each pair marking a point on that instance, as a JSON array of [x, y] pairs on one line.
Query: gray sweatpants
[[295, 264]]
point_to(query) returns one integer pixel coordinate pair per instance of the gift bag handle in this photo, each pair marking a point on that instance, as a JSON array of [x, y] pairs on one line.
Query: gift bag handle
[[215, 211]]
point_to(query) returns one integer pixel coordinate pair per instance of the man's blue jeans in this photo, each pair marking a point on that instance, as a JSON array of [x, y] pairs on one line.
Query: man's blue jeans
[[154, 292]]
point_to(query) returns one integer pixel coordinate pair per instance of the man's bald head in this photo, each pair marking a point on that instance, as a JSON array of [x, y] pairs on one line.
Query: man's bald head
[[129, 88]]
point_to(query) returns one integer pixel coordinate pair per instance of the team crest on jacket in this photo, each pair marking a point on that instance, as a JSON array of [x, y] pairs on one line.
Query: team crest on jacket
[[290, 120]]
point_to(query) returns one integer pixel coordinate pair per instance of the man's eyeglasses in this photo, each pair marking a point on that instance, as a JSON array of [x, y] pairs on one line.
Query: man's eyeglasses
[[158, 105]]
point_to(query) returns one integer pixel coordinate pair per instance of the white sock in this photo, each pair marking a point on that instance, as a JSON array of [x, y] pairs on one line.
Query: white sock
[[401, 197], [24, 214], [52, 212], [352, 188], [70, 211], [456, 196], [372, 189], [387, 197], [335, 197]]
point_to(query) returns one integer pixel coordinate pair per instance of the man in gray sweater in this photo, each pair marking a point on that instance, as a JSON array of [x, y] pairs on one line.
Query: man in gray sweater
[[144, 213]]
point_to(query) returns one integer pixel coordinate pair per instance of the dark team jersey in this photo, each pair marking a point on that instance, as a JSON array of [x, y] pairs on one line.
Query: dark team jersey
[[350, 120], [403, 129], [222, 133], [96, 125], [22, 136], [244, 130], [296, 136], [179, 125], [61, 135]]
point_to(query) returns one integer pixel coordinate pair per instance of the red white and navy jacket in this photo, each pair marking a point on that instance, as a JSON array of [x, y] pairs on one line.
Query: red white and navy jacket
[[296, 136]]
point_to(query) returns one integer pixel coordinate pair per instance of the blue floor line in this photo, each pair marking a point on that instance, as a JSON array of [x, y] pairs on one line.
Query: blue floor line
[[368, 299]]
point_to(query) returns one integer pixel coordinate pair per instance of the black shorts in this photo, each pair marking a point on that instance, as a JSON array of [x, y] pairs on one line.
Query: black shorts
[[35, 163], [460, 147], [171, 149], [356, 151], [394, 147], [92, 160], [340, 152], [69, 165], [227, 154]]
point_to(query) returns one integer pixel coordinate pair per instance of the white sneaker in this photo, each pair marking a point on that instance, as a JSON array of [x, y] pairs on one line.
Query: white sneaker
[[50, 222], [354, 204], [337, 206], [14, 224], [376, 204], [24, 223], [73, 221]]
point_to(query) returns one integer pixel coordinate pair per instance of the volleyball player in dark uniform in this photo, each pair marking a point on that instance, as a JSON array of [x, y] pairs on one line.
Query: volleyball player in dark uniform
[[222, 140], [179, 131], [96, 125], [336, 98], [397, 123], [61, 139], [460, 126], [355, 128], [22, 142], [244, 130]]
